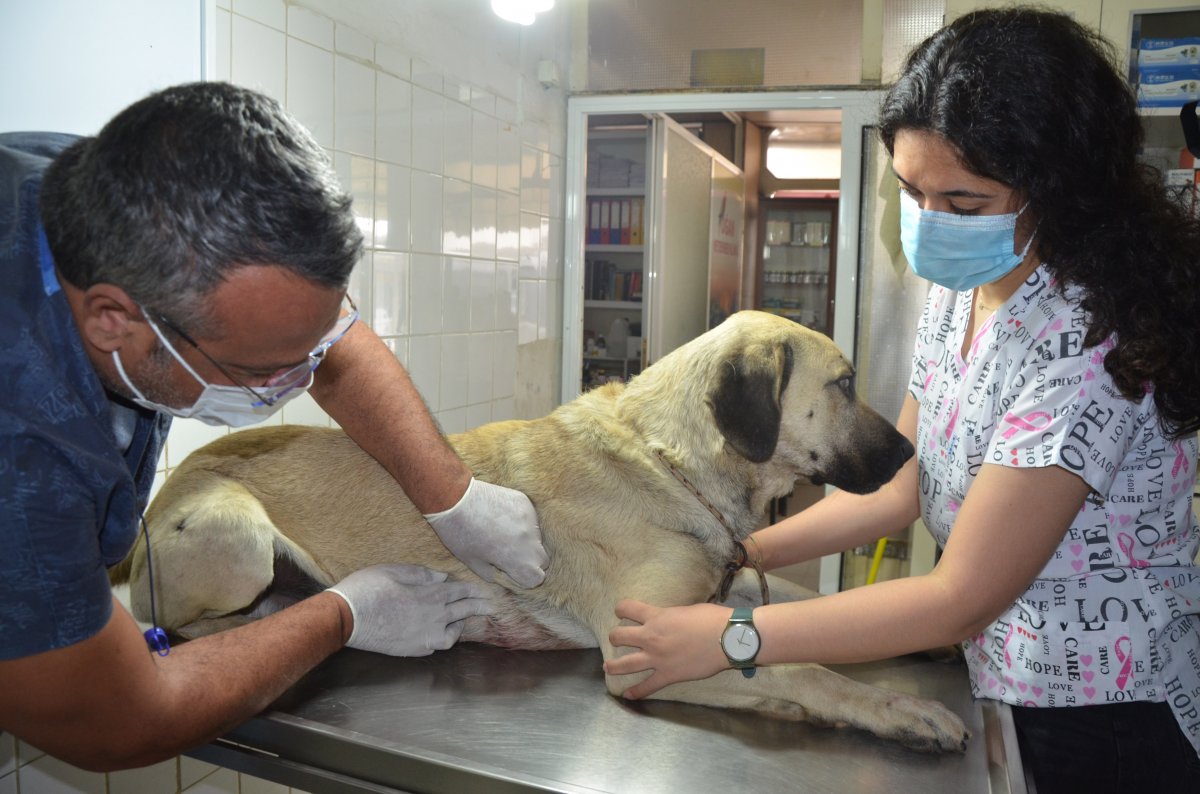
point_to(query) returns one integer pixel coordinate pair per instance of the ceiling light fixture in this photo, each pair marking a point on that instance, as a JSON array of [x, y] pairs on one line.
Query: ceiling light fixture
[[523, 12]]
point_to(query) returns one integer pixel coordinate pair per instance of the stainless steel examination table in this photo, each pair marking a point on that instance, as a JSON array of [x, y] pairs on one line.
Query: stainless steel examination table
[[482, 719]]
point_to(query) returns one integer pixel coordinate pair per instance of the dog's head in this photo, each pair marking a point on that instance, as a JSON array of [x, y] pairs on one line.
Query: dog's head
[[783, 395]]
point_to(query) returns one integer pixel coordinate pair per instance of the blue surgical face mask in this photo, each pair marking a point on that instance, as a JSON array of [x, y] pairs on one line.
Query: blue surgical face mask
[[960, 252]]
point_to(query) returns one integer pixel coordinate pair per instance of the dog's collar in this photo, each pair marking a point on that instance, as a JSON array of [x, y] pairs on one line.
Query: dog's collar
[[740, 556]]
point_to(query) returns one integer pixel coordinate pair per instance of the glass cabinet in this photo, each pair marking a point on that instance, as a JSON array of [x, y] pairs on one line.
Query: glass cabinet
[[797, 267]]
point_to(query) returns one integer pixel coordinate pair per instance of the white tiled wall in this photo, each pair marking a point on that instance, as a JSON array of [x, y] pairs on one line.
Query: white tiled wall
[[456, 172], [455, 166], [458, 195]]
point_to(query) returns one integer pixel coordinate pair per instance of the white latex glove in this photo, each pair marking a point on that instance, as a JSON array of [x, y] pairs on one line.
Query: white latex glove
[[406, 610], [494, 526]]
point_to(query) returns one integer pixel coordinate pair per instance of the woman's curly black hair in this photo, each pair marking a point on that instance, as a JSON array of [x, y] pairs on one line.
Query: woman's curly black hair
[[1034, 100]]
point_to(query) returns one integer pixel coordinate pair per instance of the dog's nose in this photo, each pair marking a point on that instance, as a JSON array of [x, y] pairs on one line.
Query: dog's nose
[[906, 450]]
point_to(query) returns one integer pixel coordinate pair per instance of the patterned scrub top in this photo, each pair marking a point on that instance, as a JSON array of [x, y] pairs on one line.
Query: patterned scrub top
[[1114, 616]]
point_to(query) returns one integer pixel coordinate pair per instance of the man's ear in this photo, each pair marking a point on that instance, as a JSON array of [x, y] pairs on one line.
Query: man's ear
[[105, 314]]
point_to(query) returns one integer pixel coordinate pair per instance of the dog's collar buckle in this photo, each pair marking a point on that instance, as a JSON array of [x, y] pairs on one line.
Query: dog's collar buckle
[[732, 567]]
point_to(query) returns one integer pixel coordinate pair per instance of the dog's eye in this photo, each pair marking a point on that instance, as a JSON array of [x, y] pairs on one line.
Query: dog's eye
[[847, 386]]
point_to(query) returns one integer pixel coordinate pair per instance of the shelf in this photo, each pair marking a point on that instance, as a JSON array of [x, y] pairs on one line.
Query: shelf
[[614, 249], [629, 305], [1142, 111], [602, 192]]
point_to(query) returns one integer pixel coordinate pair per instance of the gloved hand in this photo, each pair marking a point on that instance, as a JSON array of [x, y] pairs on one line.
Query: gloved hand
[[406, 610], [494, 526]]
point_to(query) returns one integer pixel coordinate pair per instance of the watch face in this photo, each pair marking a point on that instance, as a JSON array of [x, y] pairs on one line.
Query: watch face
[[740, 642]]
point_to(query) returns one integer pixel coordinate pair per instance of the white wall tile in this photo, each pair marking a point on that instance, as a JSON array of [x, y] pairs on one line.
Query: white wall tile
[[222, 21], [390, 291], [310, 26], [187, 436], [8, 784], [393, 119], [191, 770], [354, 107], [303, 410], [508, 226], [393, 60], [551, 322], [506, 297], [393, 207], [359, 287], [426, 75], [508, 158], [353, 43], [454, 381], [504, 409], [504, 369], [27, 753], [527, 312], [225, 4], [425, 368], [456, 217], [506, 110], [483, 295], [456, 295], [481, 357], [8, 753], [310, 88], [530, 257], [426, 229], [427, 129], [453, 420], [543, 291], [155, 779], [553, 247], [48, 775], [455, 89], [357, 177], [426, 282], [483, 222], [223, 781], [399, 347], [483, 100], [478, 415], [456, 141], [543, 254], [257, 57], [485, 134], [269, 12], [256, 785]]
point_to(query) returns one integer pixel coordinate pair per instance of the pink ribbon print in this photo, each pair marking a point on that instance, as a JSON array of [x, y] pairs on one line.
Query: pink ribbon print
[[1036, 420], [1124, 654], [1125, 541]]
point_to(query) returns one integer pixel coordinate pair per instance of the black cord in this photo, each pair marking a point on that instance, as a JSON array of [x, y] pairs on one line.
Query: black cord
[[156, 638]]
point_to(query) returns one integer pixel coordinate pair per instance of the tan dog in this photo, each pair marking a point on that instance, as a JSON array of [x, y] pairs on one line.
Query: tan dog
[[742, 412]]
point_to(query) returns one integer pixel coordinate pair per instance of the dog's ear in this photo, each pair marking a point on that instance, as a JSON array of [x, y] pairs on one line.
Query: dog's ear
[[747, 399]]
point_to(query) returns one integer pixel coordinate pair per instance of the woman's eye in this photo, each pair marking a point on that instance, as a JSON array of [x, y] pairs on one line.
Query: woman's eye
[[964, 210]]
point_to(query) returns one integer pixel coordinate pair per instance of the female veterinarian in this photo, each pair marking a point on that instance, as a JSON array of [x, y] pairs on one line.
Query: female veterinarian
[[1053, 404]]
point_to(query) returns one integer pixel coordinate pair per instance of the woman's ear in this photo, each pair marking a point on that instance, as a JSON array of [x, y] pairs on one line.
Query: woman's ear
[[104, 313]]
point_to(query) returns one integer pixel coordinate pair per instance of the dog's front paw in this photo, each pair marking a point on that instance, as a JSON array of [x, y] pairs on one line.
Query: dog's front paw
[[923, 725]]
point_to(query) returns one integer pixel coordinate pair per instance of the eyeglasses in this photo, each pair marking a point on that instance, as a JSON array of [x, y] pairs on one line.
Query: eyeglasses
[[278, 385]]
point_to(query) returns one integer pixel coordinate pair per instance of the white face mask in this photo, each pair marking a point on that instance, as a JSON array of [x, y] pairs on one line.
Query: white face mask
[[216, 405]]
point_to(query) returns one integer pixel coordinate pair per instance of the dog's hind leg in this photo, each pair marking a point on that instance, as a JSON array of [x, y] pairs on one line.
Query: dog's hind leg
[[214, 549]]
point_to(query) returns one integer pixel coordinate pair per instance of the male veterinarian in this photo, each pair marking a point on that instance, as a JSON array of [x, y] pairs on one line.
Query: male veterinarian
[[192, 260]]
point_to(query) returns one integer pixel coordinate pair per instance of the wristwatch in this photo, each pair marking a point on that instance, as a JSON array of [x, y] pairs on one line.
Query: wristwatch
[[740, 641]]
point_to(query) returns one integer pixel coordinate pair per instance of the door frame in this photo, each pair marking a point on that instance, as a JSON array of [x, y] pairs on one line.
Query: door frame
[[859, 109]]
